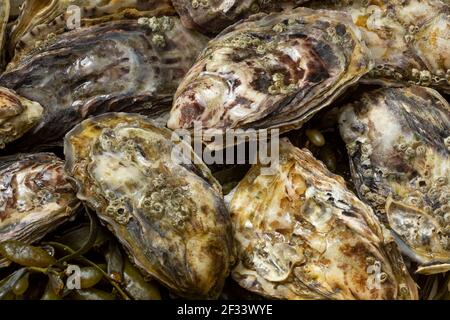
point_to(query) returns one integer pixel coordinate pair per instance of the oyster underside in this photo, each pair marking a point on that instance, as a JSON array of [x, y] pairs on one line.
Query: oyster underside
[[40, 19], [128, 65], [5, 8], [35, 197], [214, 16], [17, 116], [399, 145], [409, 40], [271, 71], [169, 216], [301, 234]]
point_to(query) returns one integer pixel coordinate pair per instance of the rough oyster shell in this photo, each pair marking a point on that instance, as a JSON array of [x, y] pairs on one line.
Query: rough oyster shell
[[124, 65], [302, 234], [399, 145], [212, 16], [409, 40], [17, 116], [35, 197], [5, 8], [170, 218], [271, 71], [40, 19]]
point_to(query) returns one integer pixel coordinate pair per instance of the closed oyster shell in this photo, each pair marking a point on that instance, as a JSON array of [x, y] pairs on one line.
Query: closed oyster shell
[[271, 71], [40, 19], [128, 65], [399, 145], [17, 116], [212, 16], [5, 8], [301, 234], [35, 197], [409, 40], [170, 218]]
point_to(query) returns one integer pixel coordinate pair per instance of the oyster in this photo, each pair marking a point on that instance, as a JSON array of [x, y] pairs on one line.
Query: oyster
[[17, 116], [4, 17], [271, 71], [129, 65], [399, 145], [212, 16], [409, 40], [169, 215], [36, 197], [41, 19], [301, 234]]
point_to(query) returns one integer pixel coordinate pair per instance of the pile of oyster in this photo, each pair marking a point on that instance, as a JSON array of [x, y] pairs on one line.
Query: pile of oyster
[[104, 195]]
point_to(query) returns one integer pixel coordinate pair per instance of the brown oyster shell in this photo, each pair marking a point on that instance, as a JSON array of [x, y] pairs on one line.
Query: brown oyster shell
[[301, 234], [17, 116], [125, 65], [271, 72], [41, 19], [170, 218], [399, 145], [212, 16], [35, 197], [409, 40], [5, 8]]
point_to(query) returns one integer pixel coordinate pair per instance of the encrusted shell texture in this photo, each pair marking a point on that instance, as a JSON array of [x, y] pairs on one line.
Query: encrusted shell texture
[[399, 146], [169, 216], [301, 234], [271, 71], [127, 65], [35, 196]]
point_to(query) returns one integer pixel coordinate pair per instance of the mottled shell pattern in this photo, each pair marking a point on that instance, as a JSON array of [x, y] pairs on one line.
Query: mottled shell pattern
[[5, 9], [212, 16], [170, 217], [398, 141], [36, 197], [271, 71], [125, 65], [17, 116], [301, 234], [41, 20], [409, 39]]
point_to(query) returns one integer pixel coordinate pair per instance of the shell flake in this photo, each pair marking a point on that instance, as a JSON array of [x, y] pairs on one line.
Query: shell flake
[[301, 234], [35, 196], [170, 217], [399, 145], [127, 65], [271, 71]]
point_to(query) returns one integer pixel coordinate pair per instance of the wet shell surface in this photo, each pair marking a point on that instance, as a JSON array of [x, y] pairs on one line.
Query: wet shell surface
[[35, 197], [399, 146], [301, 234], [168, 215], [409, 40], [271, 71], [17, 116], [40, 20], [212, 16], [128, 65]]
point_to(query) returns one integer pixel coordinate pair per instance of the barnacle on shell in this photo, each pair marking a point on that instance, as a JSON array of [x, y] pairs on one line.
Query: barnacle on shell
[[401, 165]]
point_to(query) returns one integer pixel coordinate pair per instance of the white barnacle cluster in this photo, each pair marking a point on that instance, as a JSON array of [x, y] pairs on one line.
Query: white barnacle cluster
[[160, 26]]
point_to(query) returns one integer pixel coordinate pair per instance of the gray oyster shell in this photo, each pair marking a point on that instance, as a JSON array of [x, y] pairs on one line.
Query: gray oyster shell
[[125, 65], [271, 72], [43, 19], [409, 40], [36, 197], [212, 16], [17, 116], [301, 234], [399, 145], [169, 216]]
